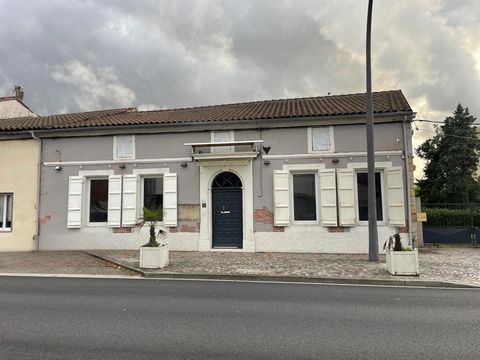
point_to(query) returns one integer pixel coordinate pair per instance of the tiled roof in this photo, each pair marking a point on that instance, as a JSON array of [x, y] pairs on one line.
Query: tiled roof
[[383, 102]]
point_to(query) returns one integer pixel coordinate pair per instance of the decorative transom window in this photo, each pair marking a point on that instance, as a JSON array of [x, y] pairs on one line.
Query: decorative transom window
[[6, 204], [227, 180], [362, 196], [304, 197], [320, 139], [124, 147], [222, 136], [98, 201]]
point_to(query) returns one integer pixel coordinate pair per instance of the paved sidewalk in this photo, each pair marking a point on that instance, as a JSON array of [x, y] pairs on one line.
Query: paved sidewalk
[[445, 265], [59, 262]]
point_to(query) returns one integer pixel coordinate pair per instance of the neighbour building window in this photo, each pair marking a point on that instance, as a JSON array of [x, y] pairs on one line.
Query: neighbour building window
[[98, 201], [362, 196], [6, 203], [153, 192], [124, 147], [321, 139], [222, 136], [304, 197]]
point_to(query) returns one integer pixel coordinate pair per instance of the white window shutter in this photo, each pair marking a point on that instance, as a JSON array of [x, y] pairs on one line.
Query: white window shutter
[[74, 209], [281, 197], [170, 199], [129, 203], [328, 197], [395, 196], [346, 197], [114, 200]]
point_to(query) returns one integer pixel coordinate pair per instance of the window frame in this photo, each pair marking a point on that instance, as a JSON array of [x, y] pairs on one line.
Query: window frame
[[216, 149], [331, 149], [87, 200], [115, 148], [4, 228], [292, 197], [141, 192], [382, 193]]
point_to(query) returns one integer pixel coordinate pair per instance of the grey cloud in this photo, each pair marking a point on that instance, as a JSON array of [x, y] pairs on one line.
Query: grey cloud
[[186, 53]]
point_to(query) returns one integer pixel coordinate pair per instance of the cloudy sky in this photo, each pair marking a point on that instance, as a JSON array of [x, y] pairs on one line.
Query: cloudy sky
[[86, 55]]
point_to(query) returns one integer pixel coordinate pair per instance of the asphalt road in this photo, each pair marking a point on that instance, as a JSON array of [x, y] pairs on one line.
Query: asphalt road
[[56, 318]]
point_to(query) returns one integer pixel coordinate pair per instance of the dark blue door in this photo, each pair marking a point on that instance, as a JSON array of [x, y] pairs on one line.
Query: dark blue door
[[227, 212]]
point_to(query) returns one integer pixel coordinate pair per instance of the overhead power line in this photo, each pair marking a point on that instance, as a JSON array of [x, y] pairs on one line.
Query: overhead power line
[[437, 121], [451, 135]]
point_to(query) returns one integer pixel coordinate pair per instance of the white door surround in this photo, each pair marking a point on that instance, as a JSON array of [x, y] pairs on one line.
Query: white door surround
[[207, 173]]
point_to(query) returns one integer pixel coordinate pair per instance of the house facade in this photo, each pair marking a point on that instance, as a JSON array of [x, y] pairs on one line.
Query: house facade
[[280, 175], [19, 177], [13, 106]]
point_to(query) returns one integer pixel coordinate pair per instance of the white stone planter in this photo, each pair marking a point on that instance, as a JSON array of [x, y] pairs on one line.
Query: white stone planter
[[154, 257], [402, 262]]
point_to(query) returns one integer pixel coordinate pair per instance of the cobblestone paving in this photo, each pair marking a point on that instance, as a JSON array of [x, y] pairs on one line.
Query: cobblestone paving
[[58, 262], [458, 265]]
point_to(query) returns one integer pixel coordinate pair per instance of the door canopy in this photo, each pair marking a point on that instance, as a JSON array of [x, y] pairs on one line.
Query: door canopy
[[226, 179]]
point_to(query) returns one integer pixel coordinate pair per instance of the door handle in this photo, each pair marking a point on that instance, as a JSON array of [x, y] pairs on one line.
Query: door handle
[[225, 212]]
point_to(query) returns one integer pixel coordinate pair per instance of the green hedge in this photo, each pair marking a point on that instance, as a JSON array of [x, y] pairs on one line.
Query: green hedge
[[451, 217]]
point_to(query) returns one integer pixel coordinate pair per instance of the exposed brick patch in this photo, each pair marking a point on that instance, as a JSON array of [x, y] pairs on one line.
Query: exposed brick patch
[[278, 229], [188, 228], [263, 215], [122, 230], [44, 219], [172, 230], [403, 229], [338, 229]]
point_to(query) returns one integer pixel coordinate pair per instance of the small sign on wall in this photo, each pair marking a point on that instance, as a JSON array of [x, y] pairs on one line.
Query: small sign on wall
[[421, 217]]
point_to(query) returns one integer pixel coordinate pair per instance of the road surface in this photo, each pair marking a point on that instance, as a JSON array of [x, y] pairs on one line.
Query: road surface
[[59, 318]]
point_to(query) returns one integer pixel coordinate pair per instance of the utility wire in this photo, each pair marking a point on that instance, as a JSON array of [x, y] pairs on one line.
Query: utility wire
[[437, 121], [451, 135]]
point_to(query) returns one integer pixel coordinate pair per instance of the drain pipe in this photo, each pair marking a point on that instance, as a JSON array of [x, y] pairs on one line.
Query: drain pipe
[[39, 173], [407, 180]]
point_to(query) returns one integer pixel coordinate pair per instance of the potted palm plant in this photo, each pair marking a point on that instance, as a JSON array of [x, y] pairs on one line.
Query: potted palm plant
[[400, 260], [154, 254]]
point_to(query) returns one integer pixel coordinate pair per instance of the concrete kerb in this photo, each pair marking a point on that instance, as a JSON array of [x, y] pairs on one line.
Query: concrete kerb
[[293, 279], [114, 262]]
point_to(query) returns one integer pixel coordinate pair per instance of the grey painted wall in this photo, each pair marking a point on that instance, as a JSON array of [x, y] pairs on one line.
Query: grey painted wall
[[54, 184]]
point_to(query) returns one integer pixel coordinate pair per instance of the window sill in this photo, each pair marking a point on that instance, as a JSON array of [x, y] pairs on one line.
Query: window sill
[[322, 152], [305, 223], [6, 230], [123, 158], [365, 223], [103, 224]]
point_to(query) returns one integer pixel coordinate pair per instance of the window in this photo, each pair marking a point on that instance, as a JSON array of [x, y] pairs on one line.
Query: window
[[152, 192], [98, 201], [222, 136], [6, 203], [124, 147], [304, 197], [320, 139], [362, 196]]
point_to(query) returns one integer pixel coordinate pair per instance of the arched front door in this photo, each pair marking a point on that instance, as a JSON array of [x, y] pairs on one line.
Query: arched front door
[[227, 211]]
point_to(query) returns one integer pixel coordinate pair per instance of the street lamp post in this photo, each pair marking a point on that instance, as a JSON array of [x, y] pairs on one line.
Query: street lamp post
[[372, 204]]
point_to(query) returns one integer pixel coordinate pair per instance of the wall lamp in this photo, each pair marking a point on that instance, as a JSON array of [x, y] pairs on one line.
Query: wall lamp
[[184, 164], [57, 168]]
